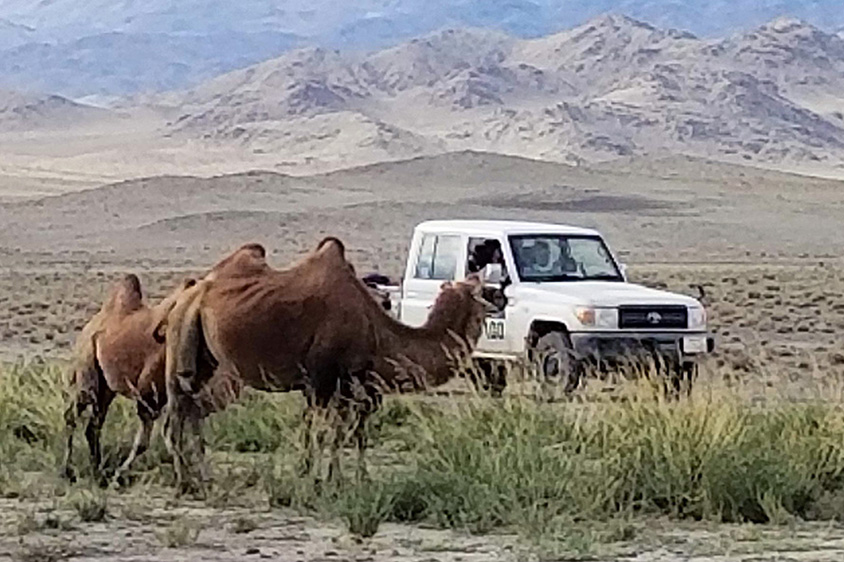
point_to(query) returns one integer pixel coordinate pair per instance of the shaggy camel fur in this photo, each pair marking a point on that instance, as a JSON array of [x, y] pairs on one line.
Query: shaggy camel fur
[[314, 327], [116, 354]]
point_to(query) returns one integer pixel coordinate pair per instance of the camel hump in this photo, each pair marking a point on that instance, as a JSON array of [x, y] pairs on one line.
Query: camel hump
[[248, 259], [332, 244], [255, 249], [126, 294], [131, 283]]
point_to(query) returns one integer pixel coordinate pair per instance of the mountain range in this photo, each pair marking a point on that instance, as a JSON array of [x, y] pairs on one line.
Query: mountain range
[[613, 87], [609, 88], [78, 48]]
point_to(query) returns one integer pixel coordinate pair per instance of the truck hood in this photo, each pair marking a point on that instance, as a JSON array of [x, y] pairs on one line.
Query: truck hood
[[601, 294]]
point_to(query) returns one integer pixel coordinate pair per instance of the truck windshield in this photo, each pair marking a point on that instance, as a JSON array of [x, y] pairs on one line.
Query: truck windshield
[[544, 258]]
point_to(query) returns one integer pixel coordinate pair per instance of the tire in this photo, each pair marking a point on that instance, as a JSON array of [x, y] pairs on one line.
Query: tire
[[556, 362], [681, 375]]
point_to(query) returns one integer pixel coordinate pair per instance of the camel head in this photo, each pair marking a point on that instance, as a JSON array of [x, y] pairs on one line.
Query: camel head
[[460, 308]]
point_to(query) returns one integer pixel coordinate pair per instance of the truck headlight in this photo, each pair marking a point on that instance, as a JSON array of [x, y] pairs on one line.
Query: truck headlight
[[598, 317], [697, 318]]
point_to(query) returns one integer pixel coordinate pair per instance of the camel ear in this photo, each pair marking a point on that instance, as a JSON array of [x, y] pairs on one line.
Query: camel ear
[[446, 285]]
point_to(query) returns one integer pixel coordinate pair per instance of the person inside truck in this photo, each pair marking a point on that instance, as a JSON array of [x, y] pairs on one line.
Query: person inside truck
[[539, 258], [487, 257], [565, 263]]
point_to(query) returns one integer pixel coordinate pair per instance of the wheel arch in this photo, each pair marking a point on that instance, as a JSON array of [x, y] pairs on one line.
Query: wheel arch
[[542, 327]]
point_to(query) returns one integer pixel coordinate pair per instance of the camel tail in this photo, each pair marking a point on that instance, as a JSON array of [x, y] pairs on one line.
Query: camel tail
[[182, 334], [183, 337]]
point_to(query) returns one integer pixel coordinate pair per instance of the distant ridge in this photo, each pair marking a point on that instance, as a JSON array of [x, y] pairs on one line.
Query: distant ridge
[[612, 87]]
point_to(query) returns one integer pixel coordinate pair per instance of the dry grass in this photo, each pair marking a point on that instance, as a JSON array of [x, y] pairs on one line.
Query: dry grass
[[727, 453]]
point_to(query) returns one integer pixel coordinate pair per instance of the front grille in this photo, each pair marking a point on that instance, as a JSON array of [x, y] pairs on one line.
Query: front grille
[[653, 317]]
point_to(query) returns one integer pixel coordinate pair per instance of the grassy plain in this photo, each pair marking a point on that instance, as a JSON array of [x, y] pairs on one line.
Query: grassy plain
[[618, 472]]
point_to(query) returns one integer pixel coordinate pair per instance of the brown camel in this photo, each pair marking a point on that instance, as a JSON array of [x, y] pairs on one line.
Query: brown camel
[[313, 327], [116, 354]]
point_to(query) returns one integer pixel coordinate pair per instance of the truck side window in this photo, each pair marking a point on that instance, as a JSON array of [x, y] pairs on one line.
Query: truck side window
[[425, 263], [446, 256], [438, 257]]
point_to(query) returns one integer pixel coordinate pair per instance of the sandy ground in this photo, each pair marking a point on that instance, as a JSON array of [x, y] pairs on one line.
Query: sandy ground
[[765, 245], [149, 528]]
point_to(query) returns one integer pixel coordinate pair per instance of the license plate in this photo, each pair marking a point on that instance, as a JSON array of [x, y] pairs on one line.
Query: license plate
[[494, 329], [694, 344]]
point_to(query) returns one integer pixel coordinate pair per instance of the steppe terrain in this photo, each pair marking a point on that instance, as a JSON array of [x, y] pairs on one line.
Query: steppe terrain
[[611, 88], [684, 151], [764, 245]]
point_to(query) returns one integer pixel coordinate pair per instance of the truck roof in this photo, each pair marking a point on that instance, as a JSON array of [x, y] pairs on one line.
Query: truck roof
[[502, 227]]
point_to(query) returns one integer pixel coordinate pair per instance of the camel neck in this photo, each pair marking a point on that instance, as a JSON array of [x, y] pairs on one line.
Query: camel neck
[[427, 352]]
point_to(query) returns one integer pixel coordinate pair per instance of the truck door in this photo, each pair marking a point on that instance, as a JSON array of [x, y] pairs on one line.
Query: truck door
[[486, 257], [440, 256]]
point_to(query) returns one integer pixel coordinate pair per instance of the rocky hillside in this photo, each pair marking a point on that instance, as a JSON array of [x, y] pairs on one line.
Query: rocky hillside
[[86, 47], [611, 87], [24, 111]]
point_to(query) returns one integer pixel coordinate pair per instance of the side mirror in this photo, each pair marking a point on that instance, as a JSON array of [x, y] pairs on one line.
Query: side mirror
[[623, 268], [493, 274]]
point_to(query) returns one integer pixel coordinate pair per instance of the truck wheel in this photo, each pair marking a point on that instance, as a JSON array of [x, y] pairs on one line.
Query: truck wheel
[[689, 372], [681, 376], [493, 377], [556, 360]]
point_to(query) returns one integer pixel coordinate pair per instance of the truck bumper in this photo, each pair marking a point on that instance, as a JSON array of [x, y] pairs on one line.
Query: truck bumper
[[614, 347]]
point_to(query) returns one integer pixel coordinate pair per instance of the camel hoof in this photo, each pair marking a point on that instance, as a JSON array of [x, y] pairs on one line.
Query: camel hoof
[[318, 485], [120, 481], [69, 474], [191, 490]]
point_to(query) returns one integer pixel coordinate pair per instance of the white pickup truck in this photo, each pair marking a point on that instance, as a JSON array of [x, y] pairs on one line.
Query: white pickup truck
[[564, 300]]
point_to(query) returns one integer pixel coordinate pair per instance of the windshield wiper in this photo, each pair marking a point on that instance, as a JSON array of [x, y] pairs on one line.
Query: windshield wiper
[[554, 278]]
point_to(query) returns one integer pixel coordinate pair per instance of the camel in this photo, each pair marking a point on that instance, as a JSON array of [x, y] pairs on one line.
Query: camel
[[313, 327], [115, 353]]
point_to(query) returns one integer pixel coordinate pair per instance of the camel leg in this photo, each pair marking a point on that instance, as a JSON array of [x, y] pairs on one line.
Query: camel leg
[[72, 414], [362, 439], [315, 434], [197, 451], [374, 399], [87, 382], [93, 432], [342, 416], [150, 403], [173, 441], [308, 457], [320, 389], [141, 443], [184, 442]]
